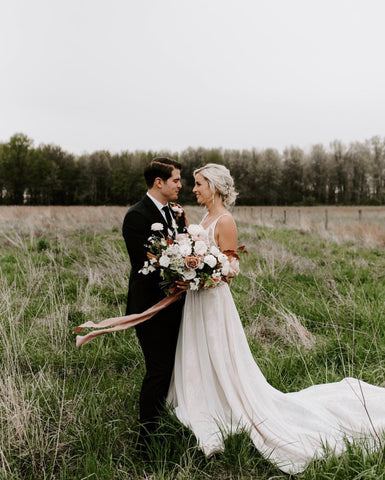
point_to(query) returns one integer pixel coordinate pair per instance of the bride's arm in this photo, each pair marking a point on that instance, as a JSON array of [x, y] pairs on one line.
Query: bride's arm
[[226, 234]]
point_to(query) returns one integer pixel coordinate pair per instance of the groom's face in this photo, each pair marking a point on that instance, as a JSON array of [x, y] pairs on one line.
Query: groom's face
[[170, 187]]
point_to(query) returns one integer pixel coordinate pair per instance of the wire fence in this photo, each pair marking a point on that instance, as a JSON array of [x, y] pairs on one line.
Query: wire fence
[[362, 224]]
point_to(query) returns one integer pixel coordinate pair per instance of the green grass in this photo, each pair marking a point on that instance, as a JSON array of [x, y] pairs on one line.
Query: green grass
[[313, 311]]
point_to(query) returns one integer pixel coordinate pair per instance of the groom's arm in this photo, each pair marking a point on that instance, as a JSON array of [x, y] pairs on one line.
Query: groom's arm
[[144, 290], [136, 231]]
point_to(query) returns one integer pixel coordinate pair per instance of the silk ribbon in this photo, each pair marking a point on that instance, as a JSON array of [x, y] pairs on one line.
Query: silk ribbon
[[122, 323]]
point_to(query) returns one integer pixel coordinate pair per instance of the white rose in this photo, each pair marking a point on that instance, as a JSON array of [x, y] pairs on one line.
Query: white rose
[[234, 266], [222, 258], [174, 249], [185, 249], [156, 227], [200, 247], [177, 209], [210, 260], [195, 230], [185, 241], [164, 261], [225, 268], [214, 250], [181, 237], [189, 275]]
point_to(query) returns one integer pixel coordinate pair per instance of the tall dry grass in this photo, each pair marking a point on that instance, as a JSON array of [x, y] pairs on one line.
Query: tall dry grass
[[361, 225], [313, 310], [342, 224]]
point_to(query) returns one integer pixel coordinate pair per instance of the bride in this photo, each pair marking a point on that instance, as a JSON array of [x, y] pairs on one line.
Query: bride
[[217, 388]]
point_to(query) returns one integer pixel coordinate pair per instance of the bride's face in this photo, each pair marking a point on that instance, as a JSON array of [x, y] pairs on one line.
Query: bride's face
[[202, 190]]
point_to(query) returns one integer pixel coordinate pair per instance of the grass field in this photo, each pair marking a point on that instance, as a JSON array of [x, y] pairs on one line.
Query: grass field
[[311, 298]]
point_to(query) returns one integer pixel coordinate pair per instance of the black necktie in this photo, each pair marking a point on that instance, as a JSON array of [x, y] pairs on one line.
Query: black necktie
[[168, 215]]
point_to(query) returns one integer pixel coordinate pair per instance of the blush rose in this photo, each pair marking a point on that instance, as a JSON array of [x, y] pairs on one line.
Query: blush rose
[[192, 263]]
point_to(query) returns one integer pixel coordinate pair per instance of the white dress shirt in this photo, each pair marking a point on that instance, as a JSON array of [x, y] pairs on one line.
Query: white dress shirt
[[159, 206]]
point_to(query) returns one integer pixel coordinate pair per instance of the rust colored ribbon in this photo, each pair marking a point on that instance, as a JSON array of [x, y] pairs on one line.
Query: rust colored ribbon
[[122, 323]]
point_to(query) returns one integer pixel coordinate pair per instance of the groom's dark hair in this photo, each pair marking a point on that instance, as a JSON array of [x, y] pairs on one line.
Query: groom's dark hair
[[161, 167]]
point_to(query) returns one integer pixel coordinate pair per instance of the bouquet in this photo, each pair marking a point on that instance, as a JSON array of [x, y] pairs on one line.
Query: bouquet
[[190, 258]]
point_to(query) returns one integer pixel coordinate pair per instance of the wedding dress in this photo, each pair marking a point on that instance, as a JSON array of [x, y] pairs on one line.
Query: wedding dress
[[217, 389]]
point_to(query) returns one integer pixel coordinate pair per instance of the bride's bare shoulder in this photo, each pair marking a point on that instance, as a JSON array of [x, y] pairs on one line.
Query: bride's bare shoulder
[[226, 235], [226, 221]]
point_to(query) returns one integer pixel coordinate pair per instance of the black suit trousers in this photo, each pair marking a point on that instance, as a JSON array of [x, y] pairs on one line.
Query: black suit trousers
[[158, 338]]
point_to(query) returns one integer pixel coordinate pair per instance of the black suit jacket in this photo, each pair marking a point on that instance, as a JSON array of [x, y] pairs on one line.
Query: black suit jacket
[[143, 290]]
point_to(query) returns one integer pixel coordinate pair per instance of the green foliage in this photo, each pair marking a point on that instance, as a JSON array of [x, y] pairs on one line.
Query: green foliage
[[14, 167], [47, 175]]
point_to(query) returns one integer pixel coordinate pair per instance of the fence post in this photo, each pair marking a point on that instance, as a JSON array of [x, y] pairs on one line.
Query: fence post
[[326, 219], [299, 218], [359, 215], [284, 217]]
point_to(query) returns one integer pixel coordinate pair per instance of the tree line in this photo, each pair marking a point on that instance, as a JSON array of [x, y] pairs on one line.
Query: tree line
[[351, 174]]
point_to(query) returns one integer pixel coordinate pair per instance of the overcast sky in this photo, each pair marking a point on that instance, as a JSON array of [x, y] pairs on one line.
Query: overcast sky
[[169, 74]]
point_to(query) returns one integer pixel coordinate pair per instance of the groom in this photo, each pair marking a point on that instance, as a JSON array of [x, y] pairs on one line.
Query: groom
[[157, 336]]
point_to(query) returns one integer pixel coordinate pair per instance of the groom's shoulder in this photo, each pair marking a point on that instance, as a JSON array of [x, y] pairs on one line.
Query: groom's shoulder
[[139, 207], [137, 211]]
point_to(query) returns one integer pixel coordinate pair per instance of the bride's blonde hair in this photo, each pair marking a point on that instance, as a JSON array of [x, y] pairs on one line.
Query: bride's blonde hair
[[220, 180]]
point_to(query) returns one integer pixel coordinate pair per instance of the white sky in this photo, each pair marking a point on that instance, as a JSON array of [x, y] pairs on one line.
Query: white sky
[[169, 74]]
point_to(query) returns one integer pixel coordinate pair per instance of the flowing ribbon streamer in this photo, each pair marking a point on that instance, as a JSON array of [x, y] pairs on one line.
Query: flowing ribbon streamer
[[122, 323]]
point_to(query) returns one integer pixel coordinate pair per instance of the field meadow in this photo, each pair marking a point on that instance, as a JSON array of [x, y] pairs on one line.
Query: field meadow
[[311, 296]]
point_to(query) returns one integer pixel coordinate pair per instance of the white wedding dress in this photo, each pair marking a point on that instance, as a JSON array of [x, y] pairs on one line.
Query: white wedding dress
[[218, 389]]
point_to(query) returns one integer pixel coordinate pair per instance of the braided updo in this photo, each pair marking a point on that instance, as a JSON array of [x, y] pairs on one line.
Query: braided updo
[[220, 180]]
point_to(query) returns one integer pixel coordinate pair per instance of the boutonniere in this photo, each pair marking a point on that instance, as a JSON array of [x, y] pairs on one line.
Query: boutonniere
[[177, 209]]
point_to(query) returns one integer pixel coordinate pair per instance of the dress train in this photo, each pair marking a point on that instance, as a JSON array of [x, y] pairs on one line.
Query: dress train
[[218, 389]]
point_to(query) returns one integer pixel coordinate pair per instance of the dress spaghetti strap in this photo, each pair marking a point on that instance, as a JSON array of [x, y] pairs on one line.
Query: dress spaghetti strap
[[210, 229], [214, 223]]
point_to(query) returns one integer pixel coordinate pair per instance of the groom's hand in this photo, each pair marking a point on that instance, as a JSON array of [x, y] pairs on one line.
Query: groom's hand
[[182, 286], [179, 211]]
